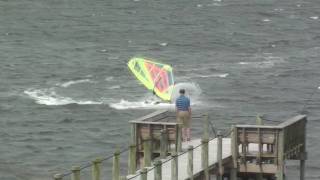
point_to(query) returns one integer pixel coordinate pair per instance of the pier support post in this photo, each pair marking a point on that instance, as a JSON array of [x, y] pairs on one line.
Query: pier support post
[[190, 162], [116, 166], [219, 156], [233, 174], [147, 152], [96, 169], [206, 127], [75, 173], [205, 157], [302, 168], [179, 138], [174, 166], [279, 174], [143, 174], [234, 153], [132, 164], [57, 177], [158, 170], [163, 144]]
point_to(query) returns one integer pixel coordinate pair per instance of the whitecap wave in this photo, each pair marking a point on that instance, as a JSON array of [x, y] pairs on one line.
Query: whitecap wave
[[69, 83], [213, 75], [109, 78], [51, 98], [114, 87], [144, 104], [269, 62], [193, 91], [151, 102], [314, 17]]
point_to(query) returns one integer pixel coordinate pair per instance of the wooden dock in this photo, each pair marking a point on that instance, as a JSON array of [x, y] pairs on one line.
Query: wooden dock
[[183, 160], [247, 151]]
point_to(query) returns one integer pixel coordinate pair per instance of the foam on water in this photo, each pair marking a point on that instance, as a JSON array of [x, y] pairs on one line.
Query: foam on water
[[314, 17], [50, 98], [151, 102], [69, 83], [142, 104], [269, 62], [224, 75], [114, 87]]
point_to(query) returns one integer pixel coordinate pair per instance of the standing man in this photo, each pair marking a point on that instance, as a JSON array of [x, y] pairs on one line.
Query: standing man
[[183, 110]]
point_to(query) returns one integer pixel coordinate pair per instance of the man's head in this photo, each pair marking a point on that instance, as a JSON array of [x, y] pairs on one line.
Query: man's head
[[182, 91]]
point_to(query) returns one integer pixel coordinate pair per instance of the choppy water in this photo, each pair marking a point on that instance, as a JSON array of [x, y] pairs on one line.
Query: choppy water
[[66, 94]]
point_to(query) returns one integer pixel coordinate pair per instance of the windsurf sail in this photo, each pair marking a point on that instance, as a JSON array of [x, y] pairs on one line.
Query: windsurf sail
[[155, 76]]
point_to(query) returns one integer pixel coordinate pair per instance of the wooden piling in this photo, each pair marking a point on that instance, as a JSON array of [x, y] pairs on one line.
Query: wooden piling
[[179, 138], [133, 133], [219, 156], [143, 174], [147, 152], [190, 162], [132, 167], [279, 174], [116, 166], [163, 144], [158, 170], [205, 157], [75, 173], [303, 153], [57, 177], [206, 127], [174, 166], [234, 153], [96, 175], [205, 147]]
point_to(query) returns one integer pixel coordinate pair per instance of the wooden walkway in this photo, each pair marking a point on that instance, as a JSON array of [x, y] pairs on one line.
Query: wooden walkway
[[183, 160], [252, 151]]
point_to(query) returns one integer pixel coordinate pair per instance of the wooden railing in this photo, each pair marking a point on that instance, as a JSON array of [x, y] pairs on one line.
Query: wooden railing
[[263, 149]]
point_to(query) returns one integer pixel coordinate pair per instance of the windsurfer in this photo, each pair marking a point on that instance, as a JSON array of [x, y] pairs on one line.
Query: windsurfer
[[183, 110]]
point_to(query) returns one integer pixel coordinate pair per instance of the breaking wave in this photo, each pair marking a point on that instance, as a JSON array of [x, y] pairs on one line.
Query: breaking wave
[[50, 98], [69, 83]]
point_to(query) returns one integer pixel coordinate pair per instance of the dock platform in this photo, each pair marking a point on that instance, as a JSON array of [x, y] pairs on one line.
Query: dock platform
[[156, 151]]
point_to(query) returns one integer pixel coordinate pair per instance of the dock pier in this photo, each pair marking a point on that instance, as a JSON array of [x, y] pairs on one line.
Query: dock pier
[[156, 151]]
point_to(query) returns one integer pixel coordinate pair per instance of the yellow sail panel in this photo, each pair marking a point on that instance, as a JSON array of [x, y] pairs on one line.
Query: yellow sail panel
[[154, 76]]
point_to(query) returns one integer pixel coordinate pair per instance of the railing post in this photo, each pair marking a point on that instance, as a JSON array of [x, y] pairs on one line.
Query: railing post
[[219, 156], [303, 154], [205, 147], [116, 166], [75, 173], [179, 138], [57, 177], [234, 152], [174, 166], [132, 163], [133, 133], [190, 162], [279, 174], [158, 170], [206, 127], [96, 169], [205, 158], [147, 152], [143, 174], [163, 144]]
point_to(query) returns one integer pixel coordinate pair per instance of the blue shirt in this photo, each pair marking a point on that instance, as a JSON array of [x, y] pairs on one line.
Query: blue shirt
[[182, 103]]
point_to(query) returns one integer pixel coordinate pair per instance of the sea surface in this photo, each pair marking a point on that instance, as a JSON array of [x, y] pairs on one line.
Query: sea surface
[[67, 95]]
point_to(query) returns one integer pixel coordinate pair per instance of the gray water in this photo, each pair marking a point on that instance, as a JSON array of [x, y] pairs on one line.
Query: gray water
[[66, 93]]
